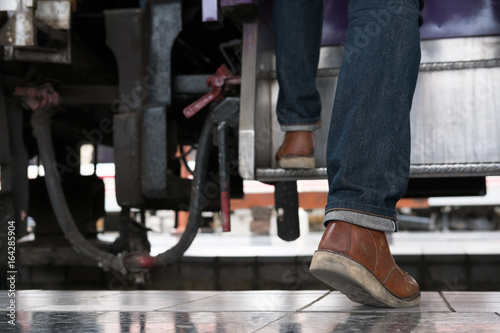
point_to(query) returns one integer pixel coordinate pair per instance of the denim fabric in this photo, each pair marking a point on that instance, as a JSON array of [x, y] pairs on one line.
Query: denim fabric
[[297, 26], [368, 150]]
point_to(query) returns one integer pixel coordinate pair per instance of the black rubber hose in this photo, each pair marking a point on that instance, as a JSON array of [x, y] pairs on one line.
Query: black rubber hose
[[4, 129], [41, 122], [198, 199]]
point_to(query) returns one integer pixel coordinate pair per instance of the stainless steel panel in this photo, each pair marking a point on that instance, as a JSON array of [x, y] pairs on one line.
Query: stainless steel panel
[[254, 141], [8, 5], [460, 49], [455, 116], [55, 14], [248, 101]]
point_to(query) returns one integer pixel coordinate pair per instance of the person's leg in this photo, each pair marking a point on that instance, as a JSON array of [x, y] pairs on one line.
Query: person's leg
[[297, 26], [368, 153]]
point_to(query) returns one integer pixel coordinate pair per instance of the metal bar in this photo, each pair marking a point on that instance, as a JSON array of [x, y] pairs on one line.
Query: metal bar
[[191, 84], [286, 202], [459, 65], [289, 174], [248, 101], [166, 23], [225, 203], [455, 170], [88, 94], [416, 171], [107, 94], [154, 152], [124, 37]]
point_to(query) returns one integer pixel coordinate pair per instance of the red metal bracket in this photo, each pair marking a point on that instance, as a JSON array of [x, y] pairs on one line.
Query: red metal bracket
[[221, 83], [36, 98]]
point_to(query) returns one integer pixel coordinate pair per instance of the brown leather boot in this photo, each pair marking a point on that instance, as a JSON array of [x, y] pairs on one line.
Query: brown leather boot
[[358, 262], [297, 150]]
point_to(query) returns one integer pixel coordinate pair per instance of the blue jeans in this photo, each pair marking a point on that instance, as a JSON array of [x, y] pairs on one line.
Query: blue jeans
[[368, 150]]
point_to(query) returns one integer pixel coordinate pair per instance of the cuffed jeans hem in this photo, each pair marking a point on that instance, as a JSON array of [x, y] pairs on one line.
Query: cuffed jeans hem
[[361, 219], [300, 127]]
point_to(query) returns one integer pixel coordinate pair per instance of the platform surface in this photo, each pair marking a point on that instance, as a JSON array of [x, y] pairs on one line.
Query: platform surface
[[401, 243], [243, 311]]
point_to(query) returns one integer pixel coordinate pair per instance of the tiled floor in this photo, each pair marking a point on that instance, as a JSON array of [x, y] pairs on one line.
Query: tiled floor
[[243, 311]]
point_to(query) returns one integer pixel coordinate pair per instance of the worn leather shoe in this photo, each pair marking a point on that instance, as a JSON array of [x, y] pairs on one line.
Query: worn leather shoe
[[297, 150], [358, 262]]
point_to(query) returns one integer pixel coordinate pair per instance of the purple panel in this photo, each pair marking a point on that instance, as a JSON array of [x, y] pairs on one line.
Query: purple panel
[[209, 10], [460, 18], [334, 22], [442, 18]]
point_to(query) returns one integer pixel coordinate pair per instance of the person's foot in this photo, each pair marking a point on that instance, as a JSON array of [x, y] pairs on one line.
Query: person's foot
[[297, 151], [358, 262]]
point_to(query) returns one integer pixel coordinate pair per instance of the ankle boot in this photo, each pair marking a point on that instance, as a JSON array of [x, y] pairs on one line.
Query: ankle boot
[[358, 262], [297, 150]]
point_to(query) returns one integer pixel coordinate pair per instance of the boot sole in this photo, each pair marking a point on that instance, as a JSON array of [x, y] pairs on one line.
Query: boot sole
[[355, 281], [296, 162]]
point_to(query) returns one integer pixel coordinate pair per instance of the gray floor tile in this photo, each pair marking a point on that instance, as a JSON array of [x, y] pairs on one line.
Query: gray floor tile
[[473, 301], [336, 302], [472, 296], [263, 301], [112, 301], [385, 322], [112, 322]]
